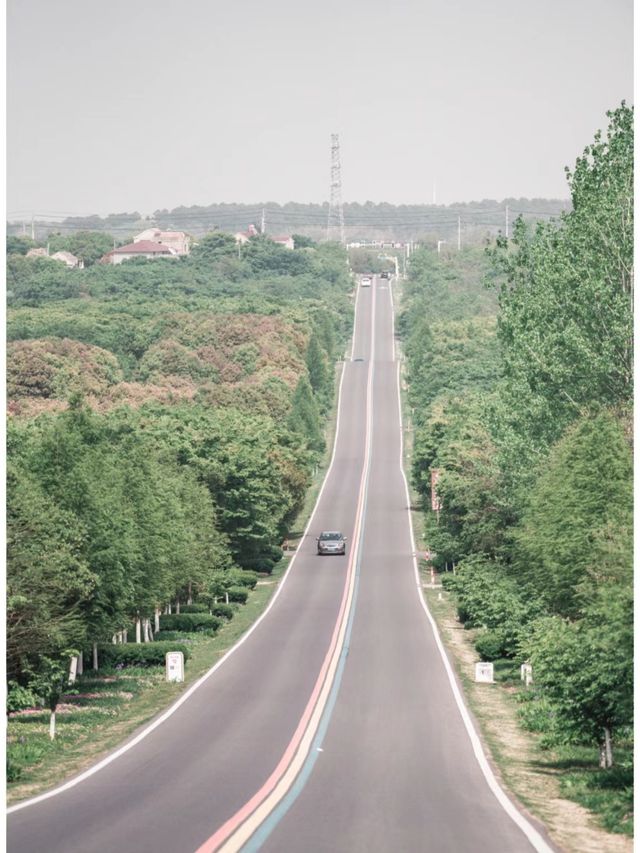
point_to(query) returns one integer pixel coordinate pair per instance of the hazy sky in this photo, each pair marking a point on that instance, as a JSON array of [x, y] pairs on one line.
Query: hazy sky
[[123, 105]]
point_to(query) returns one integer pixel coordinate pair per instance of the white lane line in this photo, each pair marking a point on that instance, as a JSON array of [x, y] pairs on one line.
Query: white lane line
[[532, 834], [191, 690]]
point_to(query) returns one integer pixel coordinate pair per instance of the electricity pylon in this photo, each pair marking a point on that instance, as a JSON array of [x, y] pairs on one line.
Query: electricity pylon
[[335, 220]]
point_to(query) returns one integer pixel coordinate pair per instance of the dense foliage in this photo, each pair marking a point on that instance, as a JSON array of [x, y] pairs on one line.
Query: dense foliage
[[165, 420], [522, 407]]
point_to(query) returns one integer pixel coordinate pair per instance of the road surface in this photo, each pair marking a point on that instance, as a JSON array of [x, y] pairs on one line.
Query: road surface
[[334, 726]]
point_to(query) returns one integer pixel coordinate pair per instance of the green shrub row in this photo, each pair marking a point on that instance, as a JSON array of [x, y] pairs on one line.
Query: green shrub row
[[239, 577], [139, 654], [194, 608], [224, 611], [238, 594], [189, 622], [163, 636]]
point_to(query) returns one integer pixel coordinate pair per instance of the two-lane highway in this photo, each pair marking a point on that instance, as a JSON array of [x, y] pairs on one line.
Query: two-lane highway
[[334, 725]]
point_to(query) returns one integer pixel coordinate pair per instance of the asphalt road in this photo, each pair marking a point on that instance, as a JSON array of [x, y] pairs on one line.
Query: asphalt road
[[333, 727]]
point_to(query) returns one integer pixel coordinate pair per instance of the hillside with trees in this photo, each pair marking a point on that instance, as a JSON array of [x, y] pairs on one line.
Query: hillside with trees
[[521, 395], [165, 420]]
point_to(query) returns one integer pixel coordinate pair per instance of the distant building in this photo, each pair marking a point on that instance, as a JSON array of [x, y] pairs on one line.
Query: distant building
[[287, 242], [38, 253], [141, 249], [177, 240], [70, 260], [245, 236], [252, 231]]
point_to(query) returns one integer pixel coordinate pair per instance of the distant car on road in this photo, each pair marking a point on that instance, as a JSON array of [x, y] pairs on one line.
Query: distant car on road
[[365, 281], [384, 275], [331, 542]]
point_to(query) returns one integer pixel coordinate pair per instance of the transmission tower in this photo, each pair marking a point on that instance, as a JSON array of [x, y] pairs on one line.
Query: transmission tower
[[335, 221]]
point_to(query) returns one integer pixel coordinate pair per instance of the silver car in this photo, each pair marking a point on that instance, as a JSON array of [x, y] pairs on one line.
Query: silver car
[[331, 542]]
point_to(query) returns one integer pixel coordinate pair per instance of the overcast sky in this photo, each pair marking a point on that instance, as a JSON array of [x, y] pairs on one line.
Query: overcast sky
[[124, 105]]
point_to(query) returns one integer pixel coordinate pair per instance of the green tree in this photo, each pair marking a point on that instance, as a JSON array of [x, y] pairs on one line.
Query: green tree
[[48, 680], [214, 246], [48, 577], [317, 367], [19, 245], [585, 484], [585, 667], [304, 417], [302, 242], [566, 315], [89, 246], [35, 281]]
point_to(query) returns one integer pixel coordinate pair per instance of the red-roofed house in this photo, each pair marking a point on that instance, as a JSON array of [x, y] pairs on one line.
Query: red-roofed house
[[177, 240], [141, 249]]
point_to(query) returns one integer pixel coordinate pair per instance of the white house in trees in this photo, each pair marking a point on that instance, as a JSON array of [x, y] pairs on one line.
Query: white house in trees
[[63, 256], [177, 240], [252, 231], [70, 260], [286, 241]]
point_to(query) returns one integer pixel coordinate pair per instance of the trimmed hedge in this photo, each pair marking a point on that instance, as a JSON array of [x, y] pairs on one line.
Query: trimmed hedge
[[139, 654], [189, 622], [245, 578], [260, 564], [224, 611], [193, 608], [238, 594], [163, 636]]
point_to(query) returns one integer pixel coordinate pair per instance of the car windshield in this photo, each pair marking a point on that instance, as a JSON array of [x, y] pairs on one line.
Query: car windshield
[[325, 536]]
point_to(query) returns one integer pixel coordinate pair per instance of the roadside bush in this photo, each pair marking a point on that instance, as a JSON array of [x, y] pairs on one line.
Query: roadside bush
[[491, 645], [488, 598], [536, 712], [243, 577], [139, 654], [273, 553], [238, 594], [448, 580], [193, 608], [162, 636], [19, 698], [189, 622], [264, 565], [224, 611]]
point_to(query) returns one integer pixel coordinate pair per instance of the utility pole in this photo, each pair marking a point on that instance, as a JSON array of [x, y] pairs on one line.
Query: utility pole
[[440, 242], [33, 229], [262, 223], [506, 222], [335, 219], [458, 233]]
